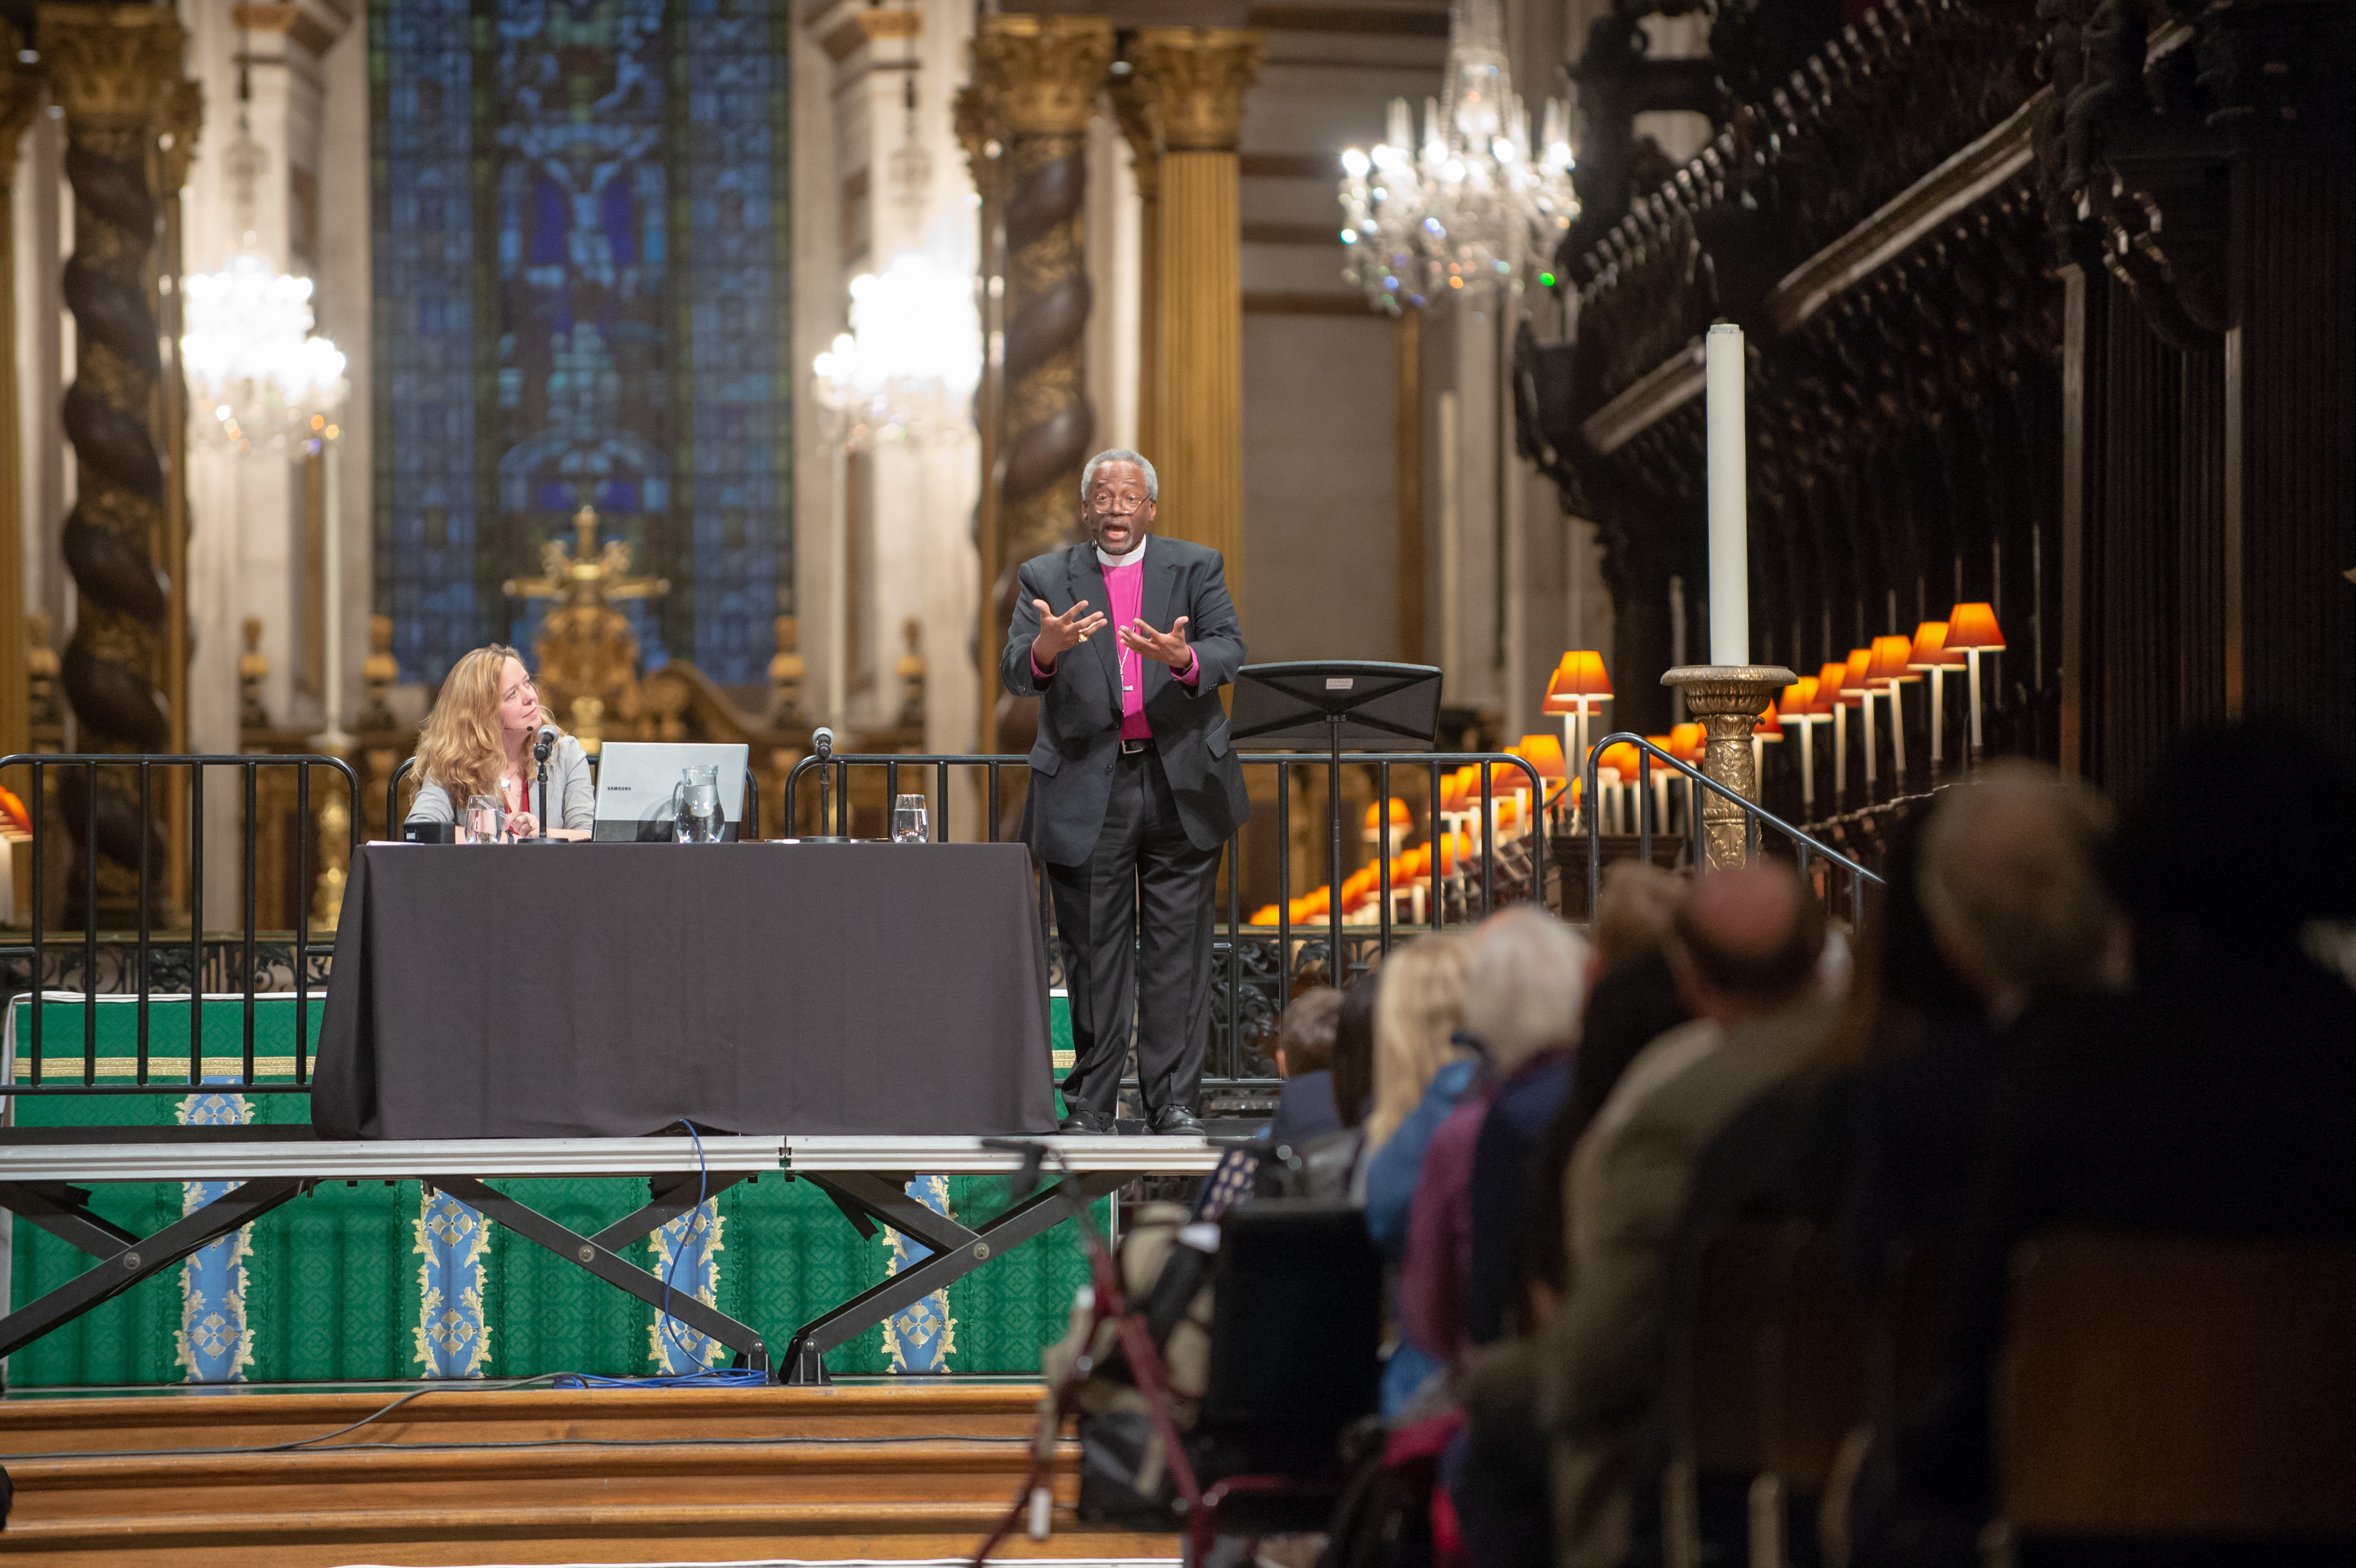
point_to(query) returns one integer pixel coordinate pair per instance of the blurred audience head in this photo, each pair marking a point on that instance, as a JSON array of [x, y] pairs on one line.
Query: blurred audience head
[[1354, 1049], [1420, 1005], [1634, 916], [1900, 987], [1526, 987], [2009, 884], [2201, 875], [1305, 1043], [1745, 942]]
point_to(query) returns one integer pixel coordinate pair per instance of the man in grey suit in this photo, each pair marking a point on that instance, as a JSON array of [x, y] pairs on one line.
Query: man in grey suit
[[1126, 640]]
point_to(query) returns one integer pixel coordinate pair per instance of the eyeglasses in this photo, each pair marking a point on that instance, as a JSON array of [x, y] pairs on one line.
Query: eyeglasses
[[1122, 505]]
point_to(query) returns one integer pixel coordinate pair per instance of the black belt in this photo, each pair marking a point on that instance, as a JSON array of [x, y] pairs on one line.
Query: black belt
[[1129, 747]]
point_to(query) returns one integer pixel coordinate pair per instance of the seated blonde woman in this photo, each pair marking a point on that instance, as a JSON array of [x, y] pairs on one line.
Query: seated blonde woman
[[477, 741]]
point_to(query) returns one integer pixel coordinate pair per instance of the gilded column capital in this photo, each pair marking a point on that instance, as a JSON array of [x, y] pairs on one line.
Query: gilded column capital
[[180, 120], [1197, 79], [1043, 73], [110, 67], [980, 130]]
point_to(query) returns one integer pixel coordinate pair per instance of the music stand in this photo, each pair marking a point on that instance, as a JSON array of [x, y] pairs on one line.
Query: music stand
[[1385, 707]]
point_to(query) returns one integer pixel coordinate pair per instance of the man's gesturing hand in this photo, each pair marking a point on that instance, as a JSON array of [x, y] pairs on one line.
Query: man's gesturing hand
[[1169, 647], [1058, 632]]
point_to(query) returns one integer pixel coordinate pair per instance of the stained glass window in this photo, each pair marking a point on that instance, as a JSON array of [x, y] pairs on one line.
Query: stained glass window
[[582, 277]]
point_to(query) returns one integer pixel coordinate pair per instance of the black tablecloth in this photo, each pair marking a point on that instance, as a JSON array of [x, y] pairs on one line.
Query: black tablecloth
[[608, 990]]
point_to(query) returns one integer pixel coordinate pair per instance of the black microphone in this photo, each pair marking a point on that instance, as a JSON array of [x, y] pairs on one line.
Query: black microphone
[[543, 743], [822, 742]]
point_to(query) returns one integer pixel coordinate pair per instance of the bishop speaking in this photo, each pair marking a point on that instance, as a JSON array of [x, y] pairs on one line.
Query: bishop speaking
[[1126, 640]]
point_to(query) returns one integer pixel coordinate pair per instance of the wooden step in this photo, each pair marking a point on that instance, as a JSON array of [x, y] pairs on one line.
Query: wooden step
[[226, 1417], [469, 1476]]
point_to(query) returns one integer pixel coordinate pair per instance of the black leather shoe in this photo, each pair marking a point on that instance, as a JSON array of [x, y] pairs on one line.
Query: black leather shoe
[[1085, 1120], [1176, 1122]]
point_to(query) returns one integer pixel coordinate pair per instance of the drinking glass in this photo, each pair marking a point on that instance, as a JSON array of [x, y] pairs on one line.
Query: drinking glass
[[696, 801], [908, 819], [486, 820]]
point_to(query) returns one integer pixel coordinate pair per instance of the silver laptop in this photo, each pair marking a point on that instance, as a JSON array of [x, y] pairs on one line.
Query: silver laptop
[[635, 780]]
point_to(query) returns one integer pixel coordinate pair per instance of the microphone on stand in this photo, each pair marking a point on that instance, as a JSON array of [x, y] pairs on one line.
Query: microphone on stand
[[822, 747], [541, 745]]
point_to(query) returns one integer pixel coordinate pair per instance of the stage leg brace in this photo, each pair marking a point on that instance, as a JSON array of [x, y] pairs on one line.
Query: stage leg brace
[[956, 1250], [598, 1258], [672, 1196], [125, 1260]]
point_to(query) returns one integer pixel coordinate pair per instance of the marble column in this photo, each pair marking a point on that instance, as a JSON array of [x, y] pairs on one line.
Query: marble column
[[117, 74], [1196, 78], [20, 100], [1141, 126]]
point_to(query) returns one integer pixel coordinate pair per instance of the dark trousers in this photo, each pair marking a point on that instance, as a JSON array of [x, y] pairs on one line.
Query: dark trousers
[[1135, 923]]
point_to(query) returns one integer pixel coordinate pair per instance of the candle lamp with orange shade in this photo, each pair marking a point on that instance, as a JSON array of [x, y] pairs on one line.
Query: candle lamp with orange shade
[[1545, 754], [1973, 630], [1576, 689], [1931, 656], [1890, 670], [1402, 824], [1770, 730], [1798, 706], [1660, 777], [1616, 771], [1830, 702], [1687, 742], [1857, 689]]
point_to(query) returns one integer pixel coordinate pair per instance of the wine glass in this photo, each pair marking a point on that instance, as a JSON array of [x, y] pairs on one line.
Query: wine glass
[[908, 819], [486, 821], [697, 800]]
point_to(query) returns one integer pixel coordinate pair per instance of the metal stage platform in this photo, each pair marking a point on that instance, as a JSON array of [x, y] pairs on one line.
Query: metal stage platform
[[46, 1184]]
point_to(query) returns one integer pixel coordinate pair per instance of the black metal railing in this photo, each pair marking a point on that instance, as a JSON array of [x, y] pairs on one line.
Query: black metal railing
[[1253, 977], [750, 828], [1754, 817], [139, 966], [1255, 968]]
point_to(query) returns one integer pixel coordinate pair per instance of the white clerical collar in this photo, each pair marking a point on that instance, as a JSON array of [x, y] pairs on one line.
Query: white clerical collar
[[1134, 558]]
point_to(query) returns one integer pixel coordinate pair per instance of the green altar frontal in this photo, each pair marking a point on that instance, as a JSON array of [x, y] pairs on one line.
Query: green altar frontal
[[366, 1281]]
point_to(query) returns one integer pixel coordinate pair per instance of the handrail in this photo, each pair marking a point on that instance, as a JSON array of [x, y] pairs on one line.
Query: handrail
[[751, 814], [249, 766], [1382, 761], [892, 762], [1753, 814]]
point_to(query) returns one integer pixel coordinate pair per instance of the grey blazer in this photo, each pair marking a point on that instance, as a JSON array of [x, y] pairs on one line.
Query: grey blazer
[[1079, 703], [570, 786]]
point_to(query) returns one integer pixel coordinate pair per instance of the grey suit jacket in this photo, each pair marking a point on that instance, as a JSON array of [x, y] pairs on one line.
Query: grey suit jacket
[[1600, 1375], [1079, 708], [571, 787]]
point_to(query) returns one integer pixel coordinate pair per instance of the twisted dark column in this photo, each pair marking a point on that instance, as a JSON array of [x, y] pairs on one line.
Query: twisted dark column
[[1036, 80], [118, 75]]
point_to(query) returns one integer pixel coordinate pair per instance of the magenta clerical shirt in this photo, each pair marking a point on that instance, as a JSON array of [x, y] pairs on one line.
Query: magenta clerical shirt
[[1125, 586]]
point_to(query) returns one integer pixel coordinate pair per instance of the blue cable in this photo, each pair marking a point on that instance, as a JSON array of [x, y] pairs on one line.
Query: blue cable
[[671, 1324], [705, 1376]]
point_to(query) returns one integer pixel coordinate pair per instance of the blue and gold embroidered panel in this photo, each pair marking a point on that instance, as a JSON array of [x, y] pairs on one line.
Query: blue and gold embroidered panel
[[581, 287]]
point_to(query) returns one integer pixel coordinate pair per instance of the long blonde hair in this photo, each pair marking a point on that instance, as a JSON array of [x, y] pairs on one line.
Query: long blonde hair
[[462, 747], [1420, 1003]]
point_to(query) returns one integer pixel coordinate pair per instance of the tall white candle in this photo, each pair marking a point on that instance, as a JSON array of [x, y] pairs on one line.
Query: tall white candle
[[1729, 529]]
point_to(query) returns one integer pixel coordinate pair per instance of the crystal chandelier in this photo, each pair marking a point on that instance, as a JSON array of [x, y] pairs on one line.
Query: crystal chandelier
[[1476, 202], [258, 375], [907, 368]]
